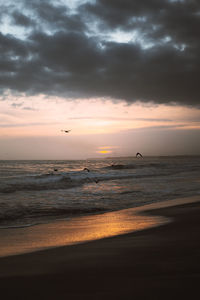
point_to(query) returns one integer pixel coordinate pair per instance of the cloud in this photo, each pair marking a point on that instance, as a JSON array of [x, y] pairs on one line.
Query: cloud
[[8, 125], [29, 108], [21, 19], [16, 105], [161, 127], [72, 53], [57, 17], [120, 119]]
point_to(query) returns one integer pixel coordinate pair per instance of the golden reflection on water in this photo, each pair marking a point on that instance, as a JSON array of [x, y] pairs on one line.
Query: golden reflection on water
[[76, 230], [82, 229]]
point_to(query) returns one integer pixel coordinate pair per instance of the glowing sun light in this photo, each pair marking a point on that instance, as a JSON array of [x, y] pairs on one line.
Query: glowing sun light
[[104, 151]]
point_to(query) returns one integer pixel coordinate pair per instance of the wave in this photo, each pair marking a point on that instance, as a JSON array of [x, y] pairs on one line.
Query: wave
[[23, 217], [52, 181], [135, 166], [47, 181], [120, 167], [67, 180], [18, 226]]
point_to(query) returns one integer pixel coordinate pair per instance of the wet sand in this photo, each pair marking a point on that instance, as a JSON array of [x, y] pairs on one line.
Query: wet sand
[[157, 263]]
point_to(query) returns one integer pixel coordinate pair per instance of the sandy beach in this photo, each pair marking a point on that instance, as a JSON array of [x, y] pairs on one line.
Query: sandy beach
[[155, 263], [99, 150]]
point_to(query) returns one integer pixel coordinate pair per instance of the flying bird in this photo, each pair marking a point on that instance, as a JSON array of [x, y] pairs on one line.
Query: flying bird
[[138, 154], [66, 131]]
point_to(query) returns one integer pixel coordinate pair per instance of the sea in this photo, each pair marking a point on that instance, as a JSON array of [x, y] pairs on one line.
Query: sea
[[40, 191]]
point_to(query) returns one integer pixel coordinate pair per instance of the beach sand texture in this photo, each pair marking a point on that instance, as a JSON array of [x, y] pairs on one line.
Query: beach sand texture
[[156, 263]]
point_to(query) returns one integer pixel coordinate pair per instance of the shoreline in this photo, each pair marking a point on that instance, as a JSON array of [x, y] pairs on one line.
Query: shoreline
[[156, 263], [82, 229]]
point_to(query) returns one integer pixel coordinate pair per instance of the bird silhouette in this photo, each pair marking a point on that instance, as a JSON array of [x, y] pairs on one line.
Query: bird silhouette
[[66, 131]]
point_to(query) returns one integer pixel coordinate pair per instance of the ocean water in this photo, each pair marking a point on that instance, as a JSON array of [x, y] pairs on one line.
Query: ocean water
[[33, 192]]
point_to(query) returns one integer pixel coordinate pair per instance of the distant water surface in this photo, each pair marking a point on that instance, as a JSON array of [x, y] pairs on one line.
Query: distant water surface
[[33, 192]]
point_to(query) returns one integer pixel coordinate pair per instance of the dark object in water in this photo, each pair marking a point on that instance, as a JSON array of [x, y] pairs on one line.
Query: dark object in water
[[55, 170], [117, 166], [86, 169], [120, 167], [138, 154]]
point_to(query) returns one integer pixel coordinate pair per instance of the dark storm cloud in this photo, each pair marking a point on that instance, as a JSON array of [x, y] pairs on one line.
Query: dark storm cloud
[[11, 47], [179, 19], [21, 19], [65, 58], [57, 18]]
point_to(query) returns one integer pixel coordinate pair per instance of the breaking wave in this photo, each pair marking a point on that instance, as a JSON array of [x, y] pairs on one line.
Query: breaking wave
[[44, 182], [33, 192], [134, 166], [30, 215], [67, 180], [52, 181]]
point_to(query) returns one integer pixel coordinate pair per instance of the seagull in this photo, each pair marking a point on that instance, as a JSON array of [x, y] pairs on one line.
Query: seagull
[[138, 154], [66, 131]]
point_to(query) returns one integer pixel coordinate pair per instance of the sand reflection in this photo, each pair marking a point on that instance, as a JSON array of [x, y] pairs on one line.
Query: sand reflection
[[72, 231], [83, 229]]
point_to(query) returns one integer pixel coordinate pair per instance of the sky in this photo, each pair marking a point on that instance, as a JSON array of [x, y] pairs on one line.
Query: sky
[[122, 75]]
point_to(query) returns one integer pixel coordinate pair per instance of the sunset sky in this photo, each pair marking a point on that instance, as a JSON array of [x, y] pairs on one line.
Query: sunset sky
[[122, 75]]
